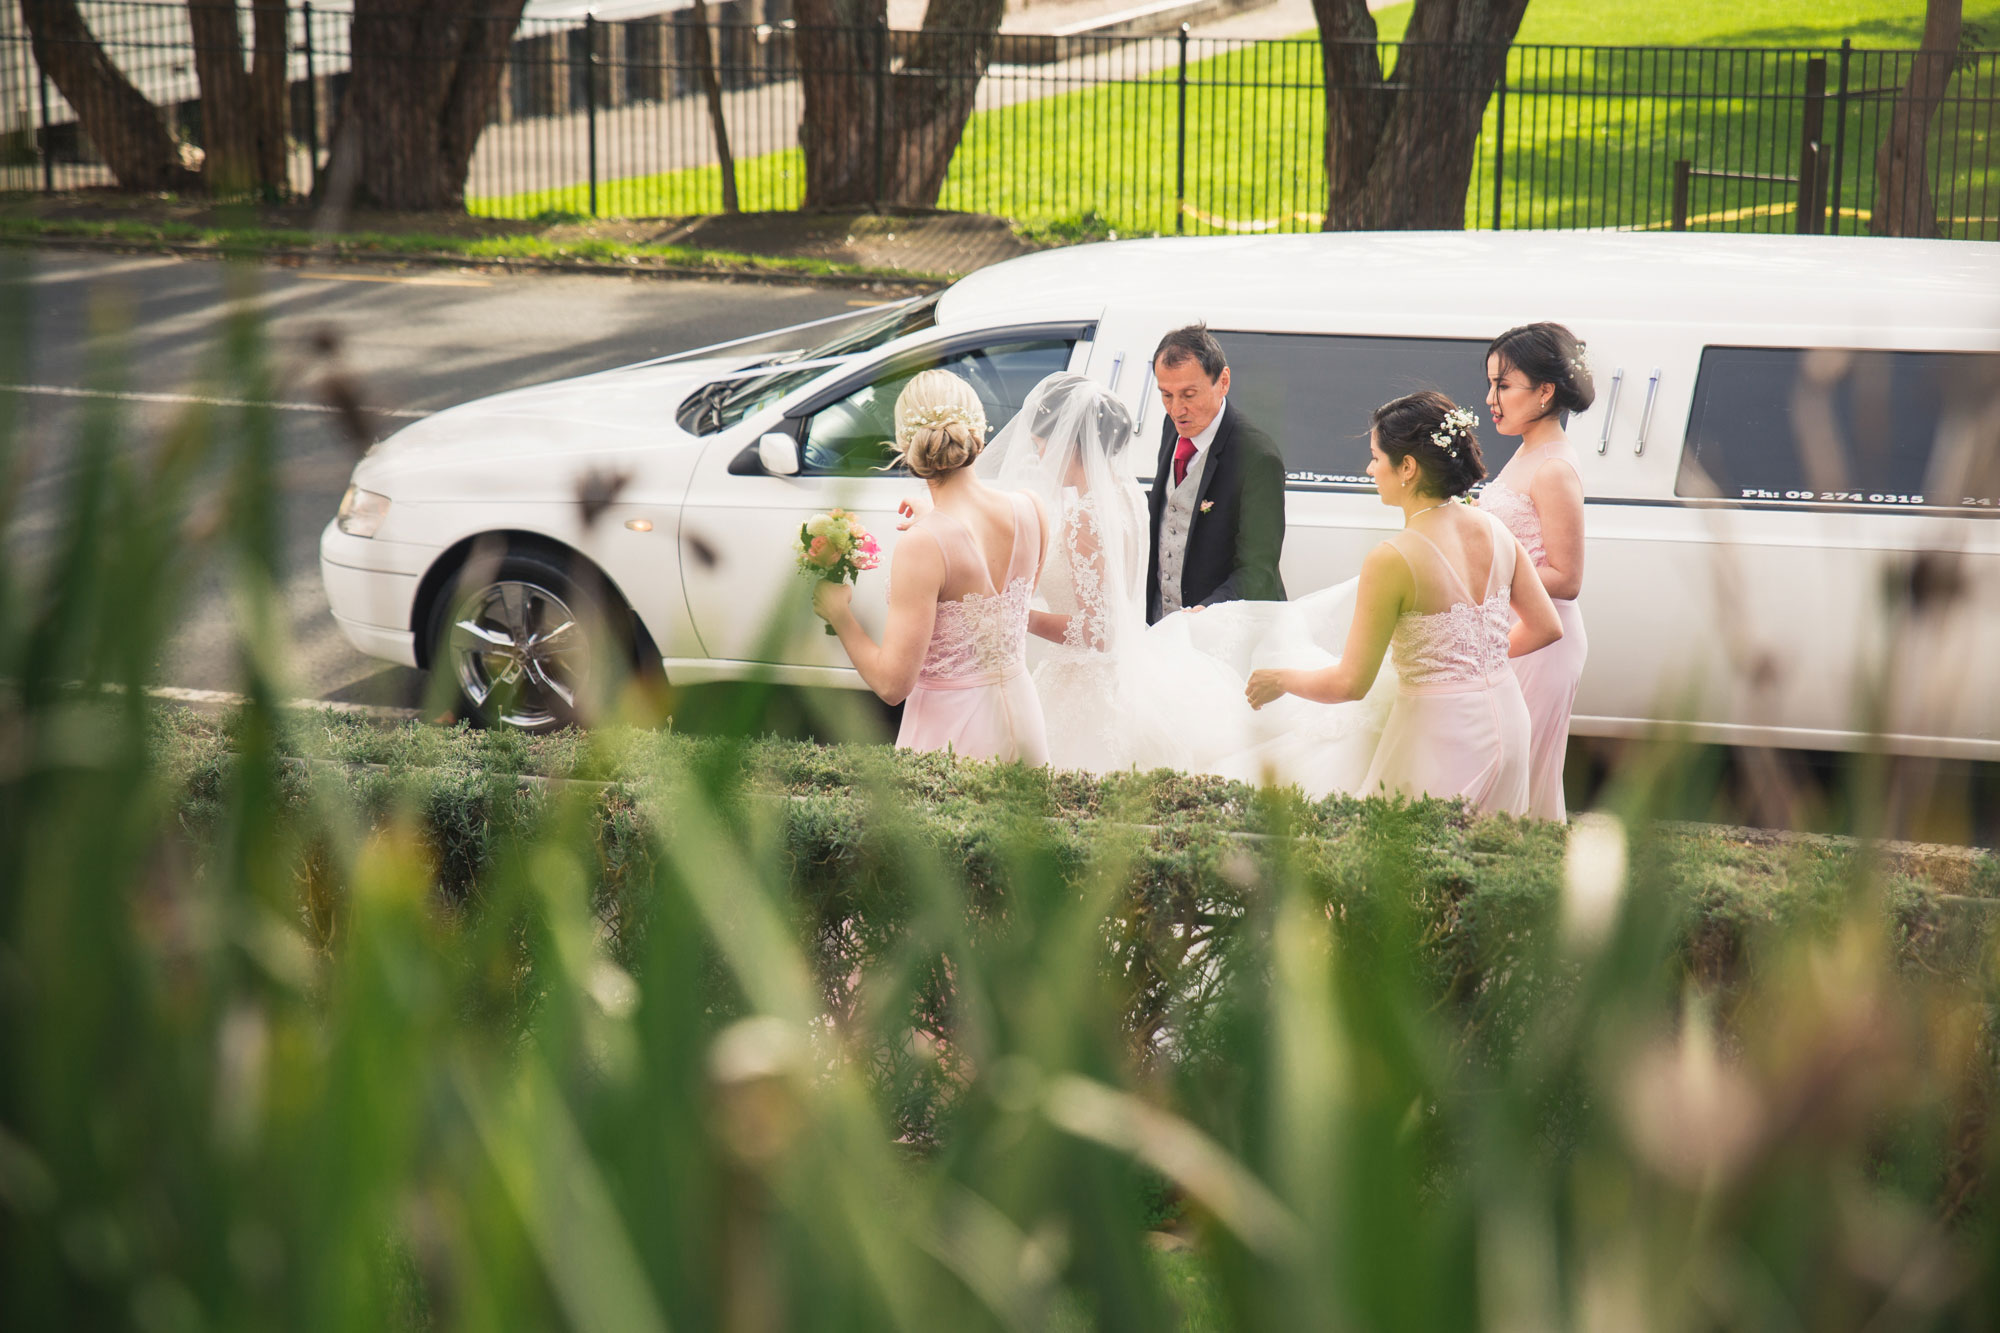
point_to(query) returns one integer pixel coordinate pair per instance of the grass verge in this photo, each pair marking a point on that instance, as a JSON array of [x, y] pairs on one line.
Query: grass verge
[[398, 246]]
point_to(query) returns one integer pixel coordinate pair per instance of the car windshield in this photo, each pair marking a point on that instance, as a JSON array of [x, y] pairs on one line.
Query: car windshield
[[725, 402]]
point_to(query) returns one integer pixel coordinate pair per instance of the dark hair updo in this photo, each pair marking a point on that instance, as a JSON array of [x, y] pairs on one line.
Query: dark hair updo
[[1549, 354], [1413, 426]]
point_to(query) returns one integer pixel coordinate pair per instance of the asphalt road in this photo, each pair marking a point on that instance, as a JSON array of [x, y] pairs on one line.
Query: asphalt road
[[411, 341]]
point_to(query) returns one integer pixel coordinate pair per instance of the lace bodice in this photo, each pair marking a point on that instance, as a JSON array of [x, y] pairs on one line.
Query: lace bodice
[[984, 636], [1517, 510], [1073, 583], [981, 637], [1465, 643]]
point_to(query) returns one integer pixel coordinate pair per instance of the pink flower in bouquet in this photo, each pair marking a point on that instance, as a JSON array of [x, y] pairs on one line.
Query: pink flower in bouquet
[[834, 548]]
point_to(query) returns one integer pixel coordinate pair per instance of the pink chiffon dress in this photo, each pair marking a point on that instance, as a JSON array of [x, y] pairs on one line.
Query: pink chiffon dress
[[1458, 726], [974, 695], [1549, 675]]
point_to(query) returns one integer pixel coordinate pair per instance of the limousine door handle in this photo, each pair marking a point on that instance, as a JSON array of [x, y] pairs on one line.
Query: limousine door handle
[[1611, 409], [1646, 414]]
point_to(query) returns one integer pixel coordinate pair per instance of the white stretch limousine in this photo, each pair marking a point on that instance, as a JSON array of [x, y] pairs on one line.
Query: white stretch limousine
[[1792, 468]]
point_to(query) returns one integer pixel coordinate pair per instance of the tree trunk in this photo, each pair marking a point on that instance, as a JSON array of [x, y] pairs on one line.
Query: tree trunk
[[426, 75], [922, 109], [711, 87], [1399, 150], [126, 129], [243, 111], [270, 102], [933, 96], [228, 130], [1903, 203], [843, 53]]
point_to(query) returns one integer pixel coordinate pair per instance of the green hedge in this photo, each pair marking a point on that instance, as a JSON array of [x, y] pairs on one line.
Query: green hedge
[[853, 821]]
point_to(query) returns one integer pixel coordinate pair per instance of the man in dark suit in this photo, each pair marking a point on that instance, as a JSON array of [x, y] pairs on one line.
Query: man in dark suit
[[1218, 498]]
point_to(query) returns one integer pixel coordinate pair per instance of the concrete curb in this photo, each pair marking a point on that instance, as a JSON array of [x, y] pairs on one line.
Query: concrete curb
[[893, 280]]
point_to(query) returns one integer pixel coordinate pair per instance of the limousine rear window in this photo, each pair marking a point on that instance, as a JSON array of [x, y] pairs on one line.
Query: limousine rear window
[[1842, 426], [1313, 392]]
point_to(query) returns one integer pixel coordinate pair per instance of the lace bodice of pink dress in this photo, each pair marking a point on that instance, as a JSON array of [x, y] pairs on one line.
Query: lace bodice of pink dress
[[1548, 677], [1458, 727], [1517, 511], [1464, 644], [980, 638], [973, 695]]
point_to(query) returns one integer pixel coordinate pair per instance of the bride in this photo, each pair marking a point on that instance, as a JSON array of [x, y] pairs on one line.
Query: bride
[[1118, 694]]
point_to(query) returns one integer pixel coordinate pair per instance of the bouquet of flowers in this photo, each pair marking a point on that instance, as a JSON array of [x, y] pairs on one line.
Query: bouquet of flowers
[[835, 547]]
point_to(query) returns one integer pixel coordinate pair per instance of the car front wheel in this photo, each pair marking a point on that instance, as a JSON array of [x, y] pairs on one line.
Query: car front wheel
[[528, 643]]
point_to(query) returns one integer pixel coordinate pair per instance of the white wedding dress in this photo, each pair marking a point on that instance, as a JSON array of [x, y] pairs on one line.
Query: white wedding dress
[[1077, 678], [1119, 694]]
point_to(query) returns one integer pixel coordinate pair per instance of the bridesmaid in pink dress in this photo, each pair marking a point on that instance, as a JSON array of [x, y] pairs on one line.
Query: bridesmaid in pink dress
[[1459, 727], [954, 651], [1536, 377]]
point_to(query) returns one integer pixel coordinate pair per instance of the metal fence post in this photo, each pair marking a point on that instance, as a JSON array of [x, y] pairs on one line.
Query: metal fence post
[[1683, 177], [312, 100], [1812, 183], [1500, 139], [881, 104], [590, 99], [1840, 130], [1180, 144], [48, 148]]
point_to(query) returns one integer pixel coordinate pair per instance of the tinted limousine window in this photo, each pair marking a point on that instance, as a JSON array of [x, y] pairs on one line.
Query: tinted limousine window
[[1313, 393], [1837, 426]]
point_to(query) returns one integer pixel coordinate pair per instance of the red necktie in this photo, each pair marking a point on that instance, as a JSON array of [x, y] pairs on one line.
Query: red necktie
[[1182, 453]]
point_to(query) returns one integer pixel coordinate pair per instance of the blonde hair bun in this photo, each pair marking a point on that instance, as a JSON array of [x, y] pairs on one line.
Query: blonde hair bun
[[940, 424]]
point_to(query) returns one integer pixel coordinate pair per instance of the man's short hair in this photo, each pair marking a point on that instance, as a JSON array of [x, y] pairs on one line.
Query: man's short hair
[[1193, 343]]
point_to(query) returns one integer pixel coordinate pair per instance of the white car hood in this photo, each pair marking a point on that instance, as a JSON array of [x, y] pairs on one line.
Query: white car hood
[[571, 424]]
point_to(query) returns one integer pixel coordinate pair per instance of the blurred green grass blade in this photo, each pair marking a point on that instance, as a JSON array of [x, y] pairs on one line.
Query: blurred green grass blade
[[736, 905], [1010, 1271], [1182, 1153], [562, 1200]]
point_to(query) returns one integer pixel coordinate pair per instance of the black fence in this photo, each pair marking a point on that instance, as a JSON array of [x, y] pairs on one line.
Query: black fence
[[1100, 134]]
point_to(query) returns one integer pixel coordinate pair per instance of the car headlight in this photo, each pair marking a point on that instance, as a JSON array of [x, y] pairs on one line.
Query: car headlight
[[362, 512]]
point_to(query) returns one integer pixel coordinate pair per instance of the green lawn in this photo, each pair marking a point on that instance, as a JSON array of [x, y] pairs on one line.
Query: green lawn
[[1726, 22], [1591, 134]]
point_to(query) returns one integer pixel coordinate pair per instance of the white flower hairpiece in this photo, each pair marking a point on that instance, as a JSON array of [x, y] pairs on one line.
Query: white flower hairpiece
[[938, 418], [1456, 422], [1580, 363]]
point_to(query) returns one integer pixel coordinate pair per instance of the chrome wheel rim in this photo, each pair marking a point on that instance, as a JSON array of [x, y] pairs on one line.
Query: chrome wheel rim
[[520, 654]]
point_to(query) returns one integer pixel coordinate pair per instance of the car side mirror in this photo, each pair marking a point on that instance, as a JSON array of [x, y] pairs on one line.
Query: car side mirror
[[779, 454]]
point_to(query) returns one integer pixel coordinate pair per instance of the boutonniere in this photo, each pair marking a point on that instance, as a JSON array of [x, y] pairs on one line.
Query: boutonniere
[[1207, 505]]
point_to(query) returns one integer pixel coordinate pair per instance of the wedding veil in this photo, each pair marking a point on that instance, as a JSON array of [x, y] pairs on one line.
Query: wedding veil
[[1071, 444]]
